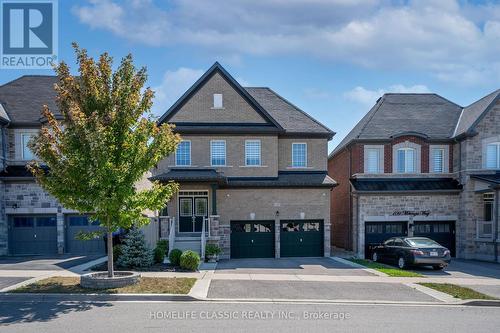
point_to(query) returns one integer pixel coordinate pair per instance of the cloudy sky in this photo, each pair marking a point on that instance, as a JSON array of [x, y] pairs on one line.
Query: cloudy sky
[[332, 58]]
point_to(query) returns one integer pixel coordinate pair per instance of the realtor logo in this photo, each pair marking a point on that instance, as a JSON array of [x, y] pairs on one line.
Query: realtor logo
[[29, 34]]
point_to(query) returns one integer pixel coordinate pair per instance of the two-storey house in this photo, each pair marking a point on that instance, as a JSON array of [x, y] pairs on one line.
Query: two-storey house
[[252, 169], [420, 165]]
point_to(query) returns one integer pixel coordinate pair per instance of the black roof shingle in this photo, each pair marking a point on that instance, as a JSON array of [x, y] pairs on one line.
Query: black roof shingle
[[405, 184]]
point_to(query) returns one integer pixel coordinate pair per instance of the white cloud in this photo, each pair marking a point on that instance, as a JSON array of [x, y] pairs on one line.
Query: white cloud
[[369, 97], [173, 85], [454, 41]]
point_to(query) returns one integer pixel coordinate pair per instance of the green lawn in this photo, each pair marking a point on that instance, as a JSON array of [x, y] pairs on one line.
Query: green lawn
[[389, 270], [146, 285], [456, 291]]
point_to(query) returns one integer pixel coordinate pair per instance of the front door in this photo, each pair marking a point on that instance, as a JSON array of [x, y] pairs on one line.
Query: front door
[[192, 211]]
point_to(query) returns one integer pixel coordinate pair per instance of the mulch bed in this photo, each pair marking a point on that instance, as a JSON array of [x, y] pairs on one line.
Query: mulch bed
[[154, 268]]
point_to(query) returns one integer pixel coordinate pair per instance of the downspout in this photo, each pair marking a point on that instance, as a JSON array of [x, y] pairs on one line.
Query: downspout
[[495, 235]]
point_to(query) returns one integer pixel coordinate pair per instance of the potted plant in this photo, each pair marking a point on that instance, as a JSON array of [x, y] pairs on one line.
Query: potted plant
[[212, 252]]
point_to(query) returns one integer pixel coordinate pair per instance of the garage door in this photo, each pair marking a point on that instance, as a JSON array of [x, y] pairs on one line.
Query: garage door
[[378, 232], [80, 223], [303, 238], [442, 232], [252, 239], [32, 235]]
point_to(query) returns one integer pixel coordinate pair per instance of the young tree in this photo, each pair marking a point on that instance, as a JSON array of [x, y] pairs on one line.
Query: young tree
[[104, 144]]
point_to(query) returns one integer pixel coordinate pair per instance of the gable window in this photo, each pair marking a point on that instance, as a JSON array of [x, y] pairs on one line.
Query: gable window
[[437, 155], [218, 101], [183, 154], [374, 159], [493, 155], [406, 160], [299, 155], [218, 152], [252, 152], [27, 153]]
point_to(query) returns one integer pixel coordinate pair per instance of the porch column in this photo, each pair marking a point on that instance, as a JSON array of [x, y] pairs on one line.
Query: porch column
[[277, 242], [214, 199], [61, 246]]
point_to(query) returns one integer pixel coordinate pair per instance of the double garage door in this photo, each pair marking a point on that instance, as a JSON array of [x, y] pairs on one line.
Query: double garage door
[[37, 235], [442, 232], [255, 239]]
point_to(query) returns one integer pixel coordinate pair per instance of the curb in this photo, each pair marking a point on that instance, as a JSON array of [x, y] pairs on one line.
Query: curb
[[482, 302], [36, 297]]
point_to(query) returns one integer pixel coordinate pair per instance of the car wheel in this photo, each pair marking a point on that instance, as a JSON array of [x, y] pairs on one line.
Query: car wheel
[[437, 267], [401, 262], [375, 256]]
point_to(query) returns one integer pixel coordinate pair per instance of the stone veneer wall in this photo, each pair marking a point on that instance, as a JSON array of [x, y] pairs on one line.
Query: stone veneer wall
[[237, 204], [381, 207]]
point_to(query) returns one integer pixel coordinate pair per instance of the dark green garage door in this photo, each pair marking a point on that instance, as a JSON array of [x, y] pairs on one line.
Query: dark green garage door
[[442, 232], [252, 239], [378, 232], [32, 234], [81, 223], [302, 238]]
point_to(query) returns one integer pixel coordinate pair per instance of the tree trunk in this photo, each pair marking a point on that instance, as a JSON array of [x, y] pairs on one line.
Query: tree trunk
[[111, 272]]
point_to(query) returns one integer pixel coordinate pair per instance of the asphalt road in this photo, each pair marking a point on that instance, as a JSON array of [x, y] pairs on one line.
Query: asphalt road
[[242, 317]]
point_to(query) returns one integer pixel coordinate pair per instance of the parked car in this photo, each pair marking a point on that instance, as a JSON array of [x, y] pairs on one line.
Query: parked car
[[408, 251]]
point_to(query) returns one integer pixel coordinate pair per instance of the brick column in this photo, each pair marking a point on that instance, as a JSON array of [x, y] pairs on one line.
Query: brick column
[[214, 225], [327, 235], [60, 233], [3, 222], [164, 226], [277, 243]]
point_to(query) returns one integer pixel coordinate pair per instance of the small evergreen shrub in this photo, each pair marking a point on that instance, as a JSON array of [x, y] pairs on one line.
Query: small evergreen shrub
[[117, 252], [212, 249], [160, 251], [190, 260], [136, 253], [175, 257]]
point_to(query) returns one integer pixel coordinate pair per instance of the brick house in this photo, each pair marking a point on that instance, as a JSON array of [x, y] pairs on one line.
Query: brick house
[[252, 170], [420, 165]]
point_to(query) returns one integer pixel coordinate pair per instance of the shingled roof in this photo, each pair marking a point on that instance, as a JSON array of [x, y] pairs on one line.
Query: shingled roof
[[428, 115], [473, 113], [24, 97]]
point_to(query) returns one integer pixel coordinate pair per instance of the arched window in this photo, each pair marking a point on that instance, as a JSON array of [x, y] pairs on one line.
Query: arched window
[[406, 160]]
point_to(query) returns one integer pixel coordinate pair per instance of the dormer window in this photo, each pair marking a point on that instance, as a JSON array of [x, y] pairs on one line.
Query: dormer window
[[218, 101]]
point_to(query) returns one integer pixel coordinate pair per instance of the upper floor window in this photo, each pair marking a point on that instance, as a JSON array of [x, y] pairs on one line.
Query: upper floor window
[[406, 161], [183, 154], [299, 155], [218, 101], [252, 152], [374, 159], [437, 160], [493, 156], [218, 152], [27, 153]]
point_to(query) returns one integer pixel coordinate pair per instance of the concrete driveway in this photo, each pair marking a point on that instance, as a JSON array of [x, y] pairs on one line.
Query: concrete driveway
[[461, 268], [293, 266], [40, 263]]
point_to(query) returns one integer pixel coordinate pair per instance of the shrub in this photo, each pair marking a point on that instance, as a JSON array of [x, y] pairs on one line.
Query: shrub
[[212, 249], [117, 252], [160, 251], [190, 260], [175, 257], [135, 251]]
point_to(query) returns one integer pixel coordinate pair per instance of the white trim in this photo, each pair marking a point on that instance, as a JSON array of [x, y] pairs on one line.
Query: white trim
[[446, 158], [190, 155], [381, 151], [260, 152], [306, 157], [417, 158], [221, 101], [225, 152], [458, 123]]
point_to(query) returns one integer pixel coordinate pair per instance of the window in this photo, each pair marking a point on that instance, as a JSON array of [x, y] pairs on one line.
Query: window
[[218, 152], [201, 206], [183, 154], [252, 152], [493, 156], [263, 227], [394, 228], [422, 228], [218, 101], [299, 155], [186, 207], [375, 228], [27, 153], [373, 160], [399, 242], [406, 160], [437, 160], [488, 206]]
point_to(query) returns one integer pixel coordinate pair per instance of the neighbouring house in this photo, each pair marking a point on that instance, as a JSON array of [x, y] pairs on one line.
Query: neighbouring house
[[420, 165], [252, 169], [31, 220]]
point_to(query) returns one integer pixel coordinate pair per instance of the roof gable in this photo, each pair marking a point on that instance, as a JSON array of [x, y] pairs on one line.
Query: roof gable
[[472, 114], [193, 106]]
